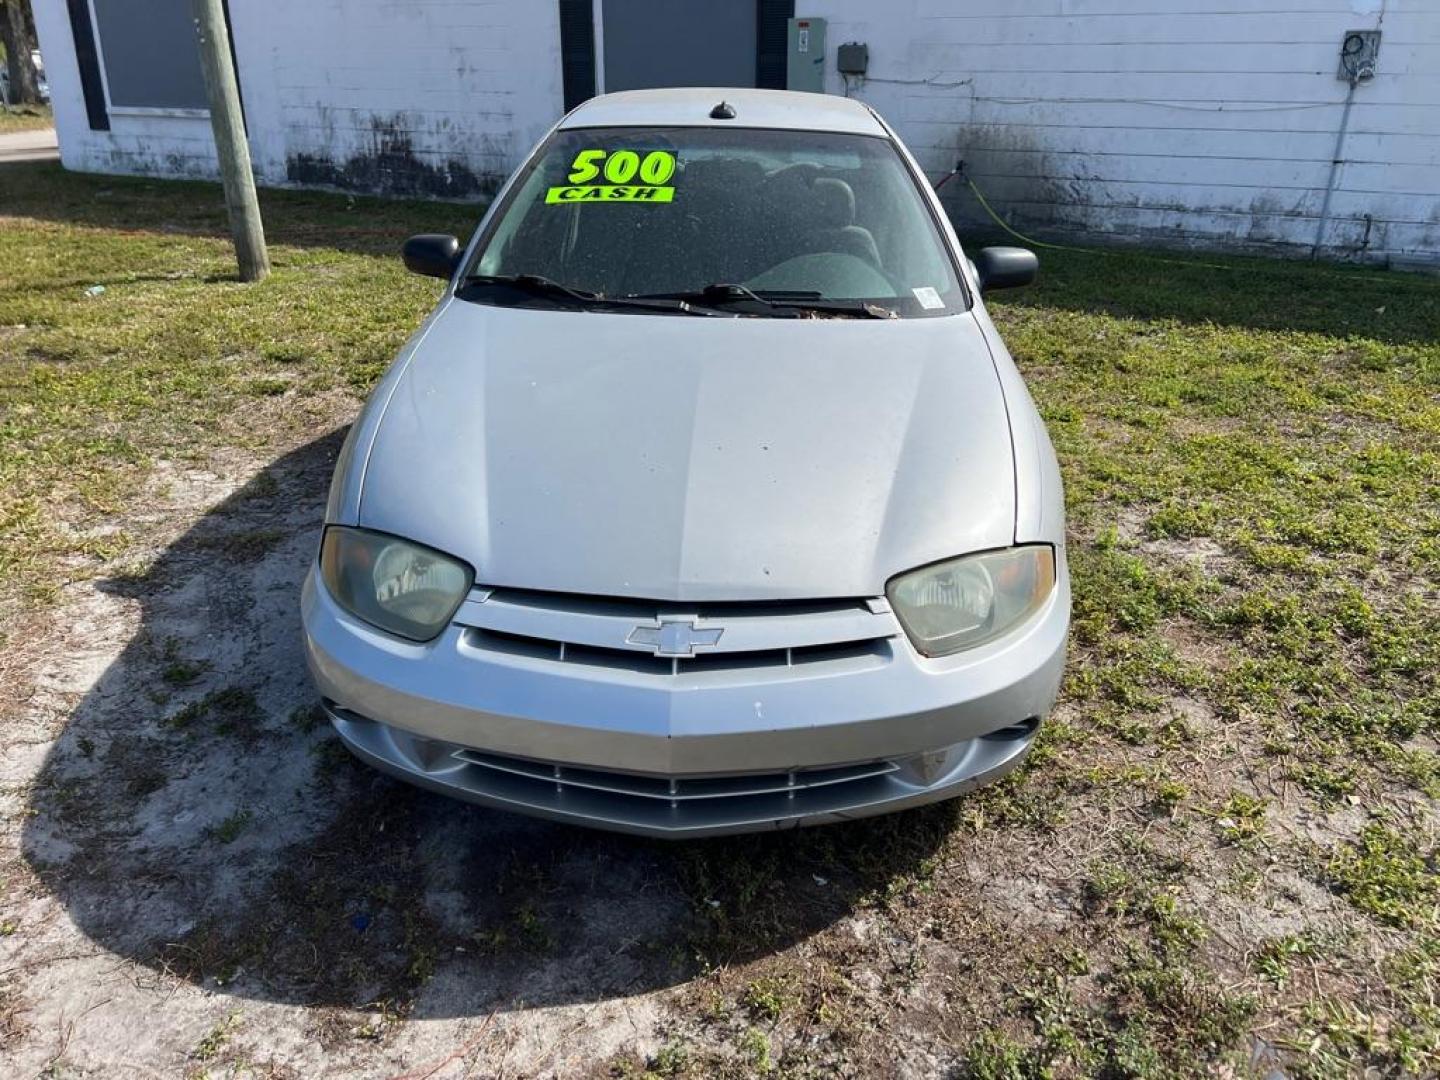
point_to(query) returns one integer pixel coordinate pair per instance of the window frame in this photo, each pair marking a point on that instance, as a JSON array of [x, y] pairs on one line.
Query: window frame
[[143, 111]]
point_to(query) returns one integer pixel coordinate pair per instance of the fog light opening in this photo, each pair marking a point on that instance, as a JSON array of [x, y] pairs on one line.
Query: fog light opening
[[1015, 732]]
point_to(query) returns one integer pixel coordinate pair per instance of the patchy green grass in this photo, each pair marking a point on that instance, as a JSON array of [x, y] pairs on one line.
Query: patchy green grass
[[26, 118], [1390, 876], [1221, 855], [214, 1040], [230, 829], [232, 711], [174, 356], [1252, 458]]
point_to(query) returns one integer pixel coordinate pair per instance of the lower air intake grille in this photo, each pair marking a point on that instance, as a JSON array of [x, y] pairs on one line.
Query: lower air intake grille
[[680, 790]]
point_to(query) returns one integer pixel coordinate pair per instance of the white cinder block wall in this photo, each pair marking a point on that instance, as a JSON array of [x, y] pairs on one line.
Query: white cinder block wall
[[1189, 121], [429, 97], [1209, 122], [434, 97]]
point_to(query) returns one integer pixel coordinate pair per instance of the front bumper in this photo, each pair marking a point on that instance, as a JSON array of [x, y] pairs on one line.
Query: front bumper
[[685, 754]]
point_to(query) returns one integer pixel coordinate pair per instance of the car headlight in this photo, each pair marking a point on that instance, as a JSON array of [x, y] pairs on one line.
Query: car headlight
[[405, 588], [968, 601]]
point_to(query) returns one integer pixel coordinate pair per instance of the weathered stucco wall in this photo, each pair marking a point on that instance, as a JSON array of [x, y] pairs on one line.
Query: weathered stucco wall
[[1208, 122], [1191, 121], [424, 97]]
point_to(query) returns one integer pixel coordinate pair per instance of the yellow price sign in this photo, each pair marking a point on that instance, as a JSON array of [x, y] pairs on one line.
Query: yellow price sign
[[609, 193], [623, 175]]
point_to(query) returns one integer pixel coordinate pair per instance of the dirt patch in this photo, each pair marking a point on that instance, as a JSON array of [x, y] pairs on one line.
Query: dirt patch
[[182, 841]]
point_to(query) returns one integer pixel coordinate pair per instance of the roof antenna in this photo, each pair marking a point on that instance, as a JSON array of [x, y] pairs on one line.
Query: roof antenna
[[723, 111]]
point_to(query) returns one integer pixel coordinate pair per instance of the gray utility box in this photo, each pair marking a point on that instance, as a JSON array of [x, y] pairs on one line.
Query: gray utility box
[[852, 58], [805, 60]]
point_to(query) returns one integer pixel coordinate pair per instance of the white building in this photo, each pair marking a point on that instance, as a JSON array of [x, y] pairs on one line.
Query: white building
[[1214, 122]]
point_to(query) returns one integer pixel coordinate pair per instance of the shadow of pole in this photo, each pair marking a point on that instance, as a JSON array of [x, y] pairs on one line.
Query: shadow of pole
[[197, 817]]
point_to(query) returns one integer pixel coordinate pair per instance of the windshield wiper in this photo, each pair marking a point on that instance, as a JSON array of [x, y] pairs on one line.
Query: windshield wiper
[[538, 285], [798, 301]]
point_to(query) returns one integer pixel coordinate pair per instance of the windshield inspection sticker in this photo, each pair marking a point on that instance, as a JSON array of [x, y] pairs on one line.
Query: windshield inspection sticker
[[623, 174], [928, 297]]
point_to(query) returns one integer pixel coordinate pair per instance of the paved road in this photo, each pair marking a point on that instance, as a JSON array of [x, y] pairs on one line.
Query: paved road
[[29, 146]]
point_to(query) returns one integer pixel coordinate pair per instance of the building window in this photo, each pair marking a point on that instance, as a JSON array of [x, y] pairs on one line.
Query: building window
[[149, 58]]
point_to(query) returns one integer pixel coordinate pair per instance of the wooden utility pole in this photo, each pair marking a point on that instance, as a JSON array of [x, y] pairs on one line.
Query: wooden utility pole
[[230, 145]]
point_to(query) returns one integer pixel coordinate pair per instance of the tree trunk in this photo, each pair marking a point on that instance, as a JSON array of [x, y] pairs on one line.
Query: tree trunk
[[14, 32]]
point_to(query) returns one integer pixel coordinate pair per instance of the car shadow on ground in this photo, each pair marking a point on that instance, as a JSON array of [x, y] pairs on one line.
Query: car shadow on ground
[[197, 816]]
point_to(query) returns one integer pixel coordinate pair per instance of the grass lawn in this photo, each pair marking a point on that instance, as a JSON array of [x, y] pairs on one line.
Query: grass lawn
[[26, 118], [1223, 851]]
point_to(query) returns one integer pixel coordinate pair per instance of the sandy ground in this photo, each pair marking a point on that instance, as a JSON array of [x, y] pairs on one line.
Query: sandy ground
[[197, 877]]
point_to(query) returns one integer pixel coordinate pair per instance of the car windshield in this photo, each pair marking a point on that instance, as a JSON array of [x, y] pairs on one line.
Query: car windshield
[[790, 217]]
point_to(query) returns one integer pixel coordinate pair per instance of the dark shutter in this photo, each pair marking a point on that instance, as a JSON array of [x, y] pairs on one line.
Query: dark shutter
[[772, 30], [577, 50], [89, 62]]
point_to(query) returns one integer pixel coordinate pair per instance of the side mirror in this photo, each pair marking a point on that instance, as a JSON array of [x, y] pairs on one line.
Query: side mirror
[[433, 254], [1005, 267]]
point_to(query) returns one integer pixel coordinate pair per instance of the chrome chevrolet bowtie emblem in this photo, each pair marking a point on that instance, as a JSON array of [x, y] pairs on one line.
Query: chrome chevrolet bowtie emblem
[[674, 637]]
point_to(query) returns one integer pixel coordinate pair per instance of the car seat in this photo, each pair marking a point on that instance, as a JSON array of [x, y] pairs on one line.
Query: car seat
[[833, 206]]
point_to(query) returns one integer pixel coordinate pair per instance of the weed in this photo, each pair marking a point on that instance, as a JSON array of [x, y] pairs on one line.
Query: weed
[[997, 1056], [308, 718], [672, 1059], [768, 997], [1388, 876], [756, 1046], [213, 1042], [234, 711], [245, 546], [1241, 818], [229, 830], [1171, 793], [1277, 955], [180, 673]]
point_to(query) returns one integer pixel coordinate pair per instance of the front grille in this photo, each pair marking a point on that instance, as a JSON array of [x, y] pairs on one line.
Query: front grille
[[650, 664], [676, 790], [609, 633]]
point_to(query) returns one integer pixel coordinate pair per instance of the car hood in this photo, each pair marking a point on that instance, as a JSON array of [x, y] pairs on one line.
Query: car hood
[[686, 458]]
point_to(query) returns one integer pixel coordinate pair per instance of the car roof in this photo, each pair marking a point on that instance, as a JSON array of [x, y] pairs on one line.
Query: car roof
[[690, 107]]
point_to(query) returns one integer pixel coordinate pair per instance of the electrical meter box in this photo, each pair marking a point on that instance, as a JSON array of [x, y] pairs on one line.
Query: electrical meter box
[[805, 60], [1359, 54]]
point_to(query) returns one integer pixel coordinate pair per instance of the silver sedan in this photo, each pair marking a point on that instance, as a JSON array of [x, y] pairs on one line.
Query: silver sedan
[[707, 499]]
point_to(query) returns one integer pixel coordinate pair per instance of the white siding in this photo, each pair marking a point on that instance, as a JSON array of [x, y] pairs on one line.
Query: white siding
[[437, 97], [1190, 121], [1181, 121]]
